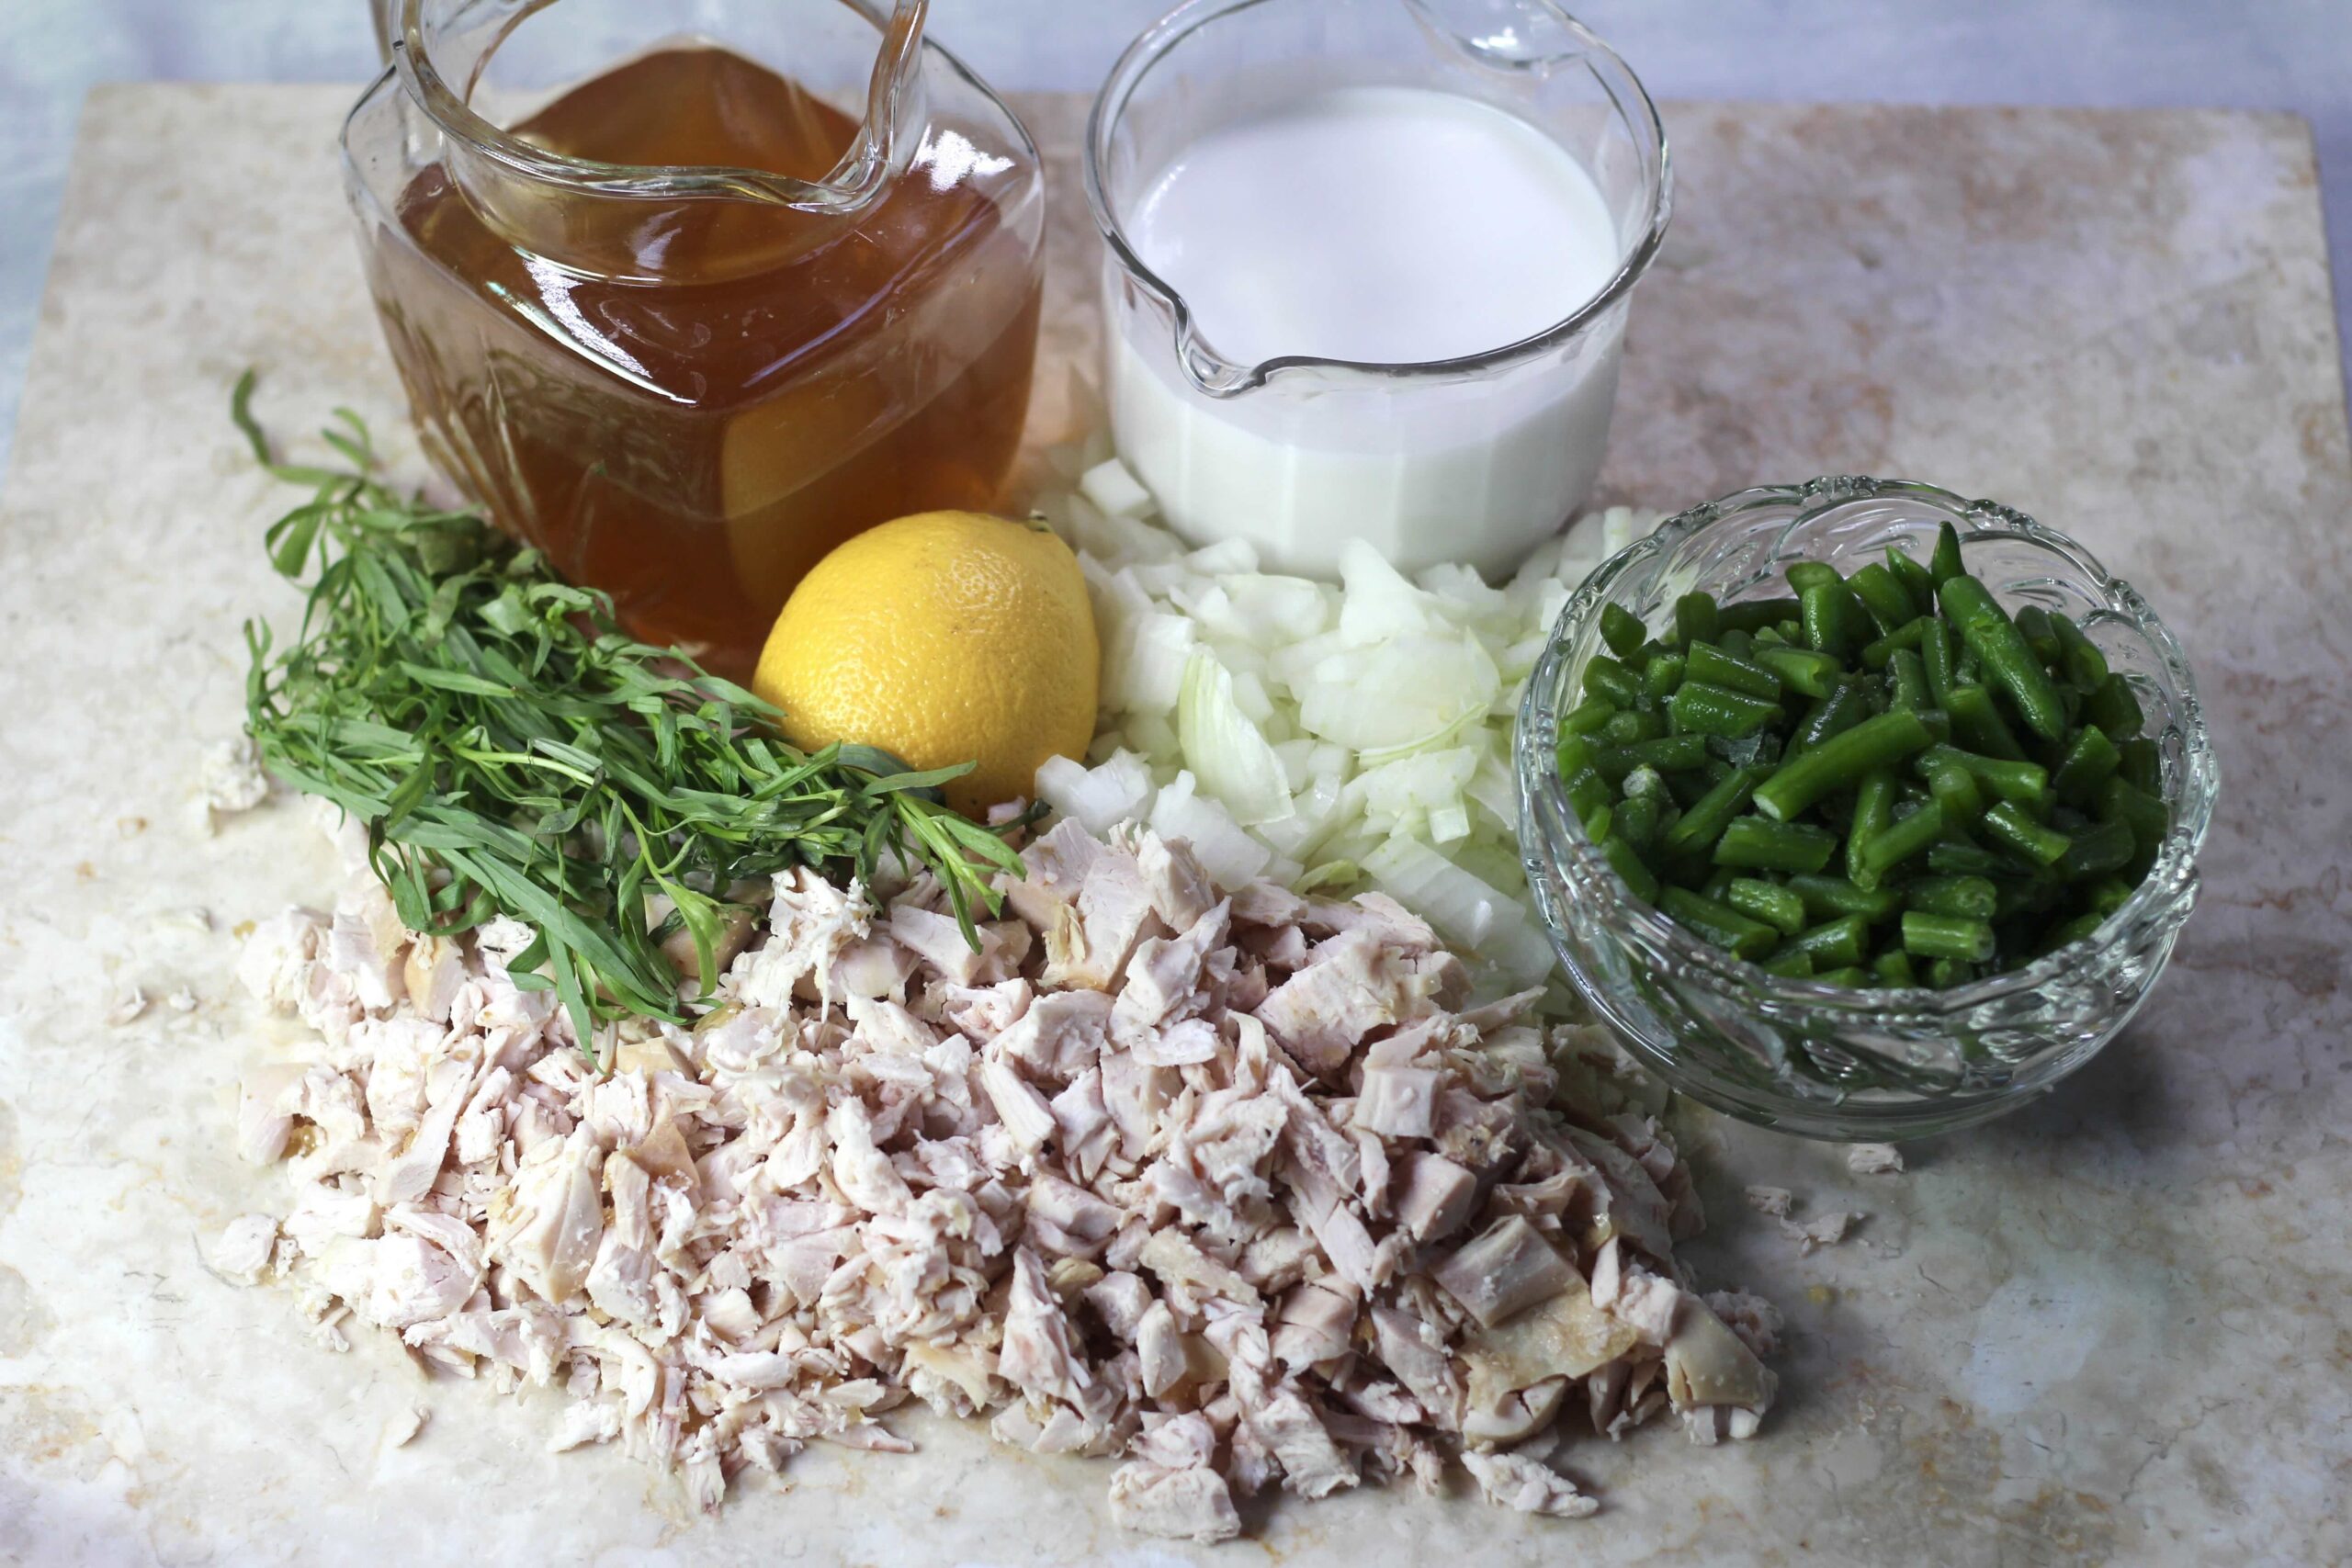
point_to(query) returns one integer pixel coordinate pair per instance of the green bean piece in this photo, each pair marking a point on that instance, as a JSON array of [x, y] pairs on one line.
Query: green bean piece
[[1834, 942], [1888, 601], [1598, 823], [1832, 617], [1873, 810], [1800, 670], [1611, 682], [1905, 837], [1790, 965], [2146, 814], [1827, 897], [1767, 901], [1712, 921], [1587, 791], [2009, 660], [1893, 968], [2143, 764], [1978, 724], [1759, 843], [1967, 898], [2007, 824], [1943, 564], [1661, 675], [2109, 894], [1736, 643], [1839, 762], [1621, 630], [1917, 580], [1704, 820], [1875, 655], [1695, 618], [1668, 754], [1637, 821], [1646, 780], [2033, 623], [2025, 783], [1718, 882], [2115, 708], [2035, 895], [1805, 574], [2067, 932], [1627, 863], [1954, 789], [1953, 857], [1907, 682], [1586, 717], [2101, 847], [2089, 763], [1943, 973], [1934, 661], [1833, 714], [1698, 708], [1853, 977], [1966, 668], [1752, 615], [1718, 668], [2080, 659], [1946, 936], [1628, 725]]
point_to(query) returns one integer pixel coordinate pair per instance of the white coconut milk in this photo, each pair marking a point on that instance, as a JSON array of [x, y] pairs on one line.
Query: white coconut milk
[[1384, 226]]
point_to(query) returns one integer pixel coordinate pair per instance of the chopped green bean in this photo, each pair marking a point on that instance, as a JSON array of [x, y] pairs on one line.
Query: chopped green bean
[[1668, 754], [1719, 667], [1759, 843], [1954, 789], [1903, 838], [1836, 943], [2008, 824], [1908, 635], [1586, 717], [1840, 762], [1627, 863], [1978, 724], [1752, 615], [1832, 617], [2082, 662], [1637, 820], [1827, 897], [1698, 708], [1953, 857], [1935, 659], [1611, 682], [1661, 675], [1767, 901], [1887, 601], [1943, 564], [2115, 708], [1587, 791], [1907, 683], [1621, 630], [2089, 763], [1833, 714], [2143, 764], [1969, 898], [1800, 670], [1852, 977], [1794, 964], [2008, 660], [1694, 618], [2101, 847], [2033, 625], [1893, 968], [1917, 580], [1703, 822], [1726, 928], [1946, 936]]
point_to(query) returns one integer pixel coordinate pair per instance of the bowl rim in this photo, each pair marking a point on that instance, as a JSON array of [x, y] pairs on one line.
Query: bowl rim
[[2169, 882]]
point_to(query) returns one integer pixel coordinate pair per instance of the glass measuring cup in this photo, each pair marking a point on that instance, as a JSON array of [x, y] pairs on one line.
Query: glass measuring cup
[[1475, 458], [685, 292]]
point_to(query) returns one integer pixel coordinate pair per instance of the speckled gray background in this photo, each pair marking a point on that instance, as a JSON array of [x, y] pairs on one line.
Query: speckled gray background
[[2292, 54]]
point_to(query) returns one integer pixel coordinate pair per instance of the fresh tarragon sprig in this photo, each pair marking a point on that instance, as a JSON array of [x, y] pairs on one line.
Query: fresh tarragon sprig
[[511, 751]]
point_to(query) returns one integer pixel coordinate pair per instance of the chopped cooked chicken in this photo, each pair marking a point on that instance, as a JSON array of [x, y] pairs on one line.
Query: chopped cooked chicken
[[1221, 1181], [1827, 1231], [1874, 1159]]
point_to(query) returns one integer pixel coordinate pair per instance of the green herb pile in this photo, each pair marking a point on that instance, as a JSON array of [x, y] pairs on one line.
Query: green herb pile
[[1884, 780], [511, 752]]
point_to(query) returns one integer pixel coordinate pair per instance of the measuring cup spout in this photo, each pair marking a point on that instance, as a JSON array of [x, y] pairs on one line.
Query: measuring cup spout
[[1530, 36]]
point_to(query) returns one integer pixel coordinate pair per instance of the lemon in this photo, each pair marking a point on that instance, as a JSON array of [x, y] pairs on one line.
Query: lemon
[[943, 637]]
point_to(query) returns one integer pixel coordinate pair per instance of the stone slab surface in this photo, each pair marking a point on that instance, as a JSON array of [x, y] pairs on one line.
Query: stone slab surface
[[2112, 1328]]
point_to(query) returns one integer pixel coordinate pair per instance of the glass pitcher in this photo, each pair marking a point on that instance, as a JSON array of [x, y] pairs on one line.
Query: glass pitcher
[[687, 292], [1475, 458]]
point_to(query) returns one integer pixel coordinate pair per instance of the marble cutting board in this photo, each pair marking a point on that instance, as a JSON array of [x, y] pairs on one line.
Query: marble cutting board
[[2112, 1328]]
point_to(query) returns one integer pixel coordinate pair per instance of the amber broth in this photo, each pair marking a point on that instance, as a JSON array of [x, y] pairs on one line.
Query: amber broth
[[694, 441]]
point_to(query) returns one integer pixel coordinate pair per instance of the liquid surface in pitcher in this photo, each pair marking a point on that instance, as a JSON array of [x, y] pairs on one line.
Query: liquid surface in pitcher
[[693, 441]]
